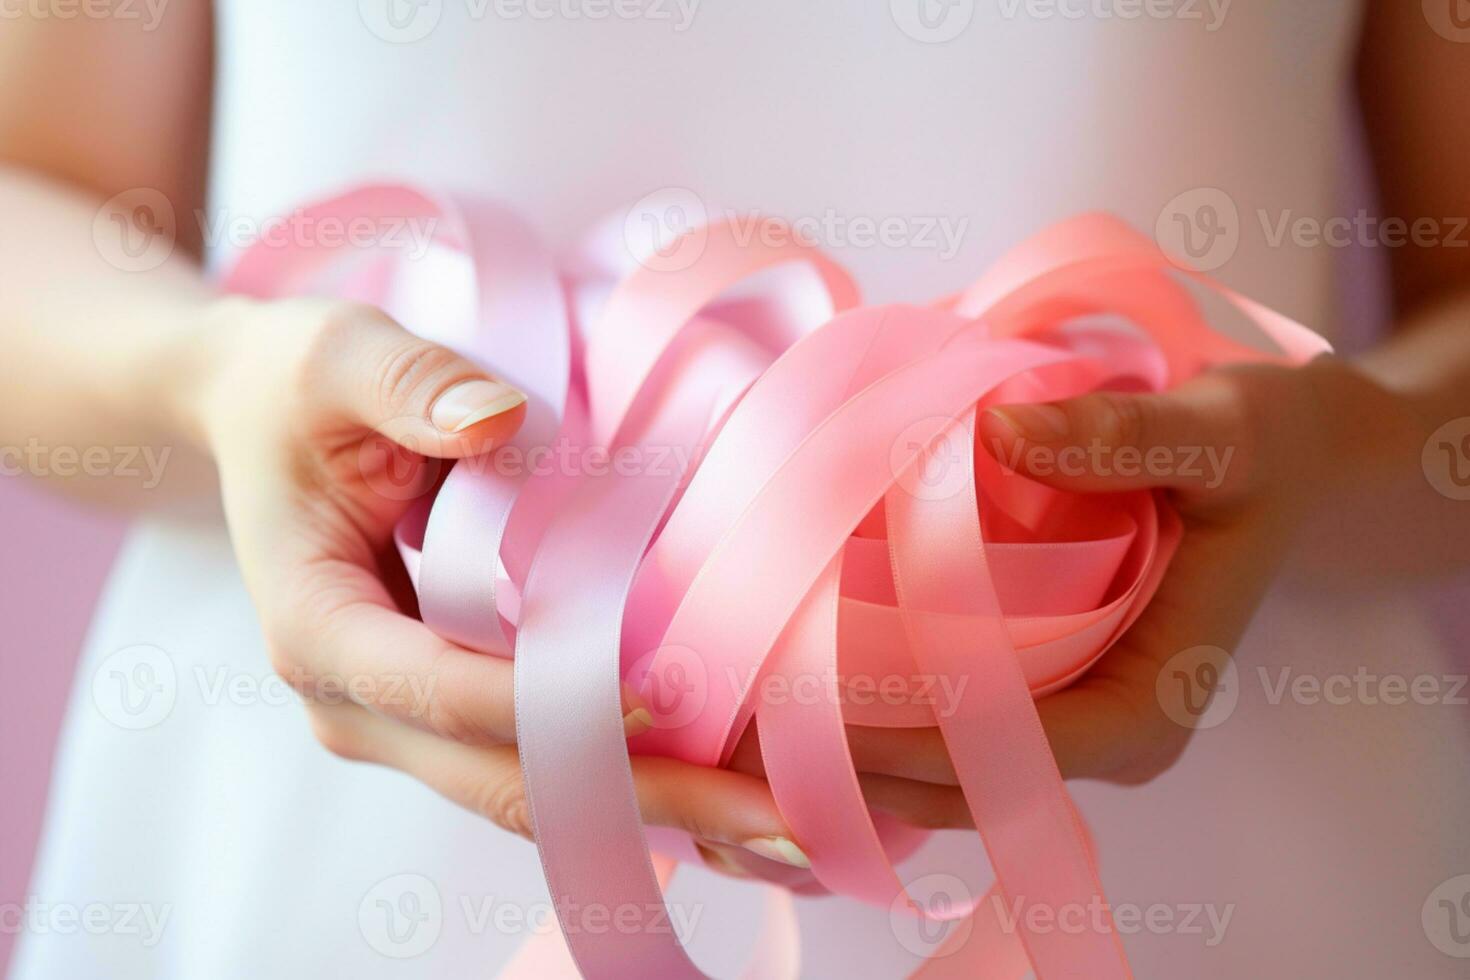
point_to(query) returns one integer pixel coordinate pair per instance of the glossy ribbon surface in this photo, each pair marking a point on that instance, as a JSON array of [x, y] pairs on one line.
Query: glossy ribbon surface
[[751, 483]]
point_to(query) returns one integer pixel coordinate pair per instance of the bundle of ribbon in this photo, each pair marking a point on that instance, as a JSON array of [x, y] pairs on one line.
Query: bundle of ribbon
[[795, 493]]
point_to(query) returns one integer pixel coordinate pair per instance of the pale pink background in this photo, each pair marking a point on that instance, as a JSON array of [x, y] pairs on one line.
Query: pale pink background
[[56, 555]]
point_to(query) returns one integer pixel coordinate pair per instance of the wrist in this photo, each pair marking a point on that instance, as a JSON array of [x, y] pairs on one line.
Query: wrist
[[195, 364]]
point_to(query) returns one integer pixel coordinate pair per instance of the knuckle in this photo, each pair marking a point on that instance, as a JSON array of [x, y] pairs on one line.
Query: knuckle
[[1243, 402], [932, 809], [505, 804], [1163, 751], [287, 666], [1161, 744], [448, 719], [286, 652], [1121, 419], [341, 740], [1154, 741], [409, 367]]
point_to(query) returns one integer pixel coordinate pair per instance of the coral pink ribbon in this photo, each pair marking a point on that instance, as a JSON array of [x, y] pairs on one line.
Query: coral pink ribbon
[[800, 501]]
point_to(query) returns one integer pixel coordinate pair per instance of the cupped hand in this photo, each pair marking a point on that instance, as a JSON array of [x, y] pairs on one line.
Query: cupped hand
[[327, 421], [1241, 452]]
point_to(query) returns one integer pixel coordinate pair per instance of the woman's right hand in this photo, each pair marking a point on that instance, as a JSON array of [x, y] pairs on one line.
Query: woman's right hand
[[326, 420]]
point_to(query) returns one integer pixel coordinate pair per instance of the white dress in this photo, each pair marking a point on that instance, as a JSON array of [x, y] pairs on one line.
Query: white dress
[[198, 795]]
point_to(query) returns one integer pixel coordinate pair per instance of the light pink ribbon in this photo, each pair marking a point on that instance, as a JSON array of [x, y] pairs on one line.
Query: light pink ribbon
[[835, 522]]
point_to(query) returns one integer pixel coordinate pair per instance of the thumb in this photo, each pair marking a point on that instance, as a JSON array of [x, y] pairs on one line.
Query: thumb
[[1193, 439], [421, 395]]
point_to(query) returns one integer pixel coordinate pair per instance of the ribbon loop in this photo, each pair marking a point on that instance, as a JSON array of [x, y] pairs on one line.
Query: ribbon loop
[[786, 486]]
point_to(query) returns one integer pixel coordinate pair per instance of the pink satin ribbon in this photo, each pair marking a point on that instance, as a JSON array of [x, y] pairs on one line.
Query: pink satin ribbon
[[835, 524]]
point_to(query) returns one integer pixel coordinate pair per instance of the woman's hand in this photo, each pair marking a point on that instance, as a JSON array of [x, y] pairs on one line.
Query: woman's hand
[[1244, 452], [327, 420]]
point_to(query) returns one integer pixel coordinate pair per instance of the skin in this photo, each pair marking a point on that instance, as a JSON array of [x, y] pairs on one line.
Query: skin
[[267, 407]]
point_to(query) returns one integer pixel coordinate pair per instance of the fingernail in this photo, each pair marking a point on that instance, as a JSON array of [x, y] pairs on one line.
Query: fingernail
[[636, 722], [1036, 423], [475, 401], [778, 849]]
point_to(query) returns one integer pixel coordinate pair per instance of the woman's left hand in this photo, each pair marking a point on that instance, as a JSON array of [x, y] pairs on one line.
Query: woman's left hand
[[1242, 452]]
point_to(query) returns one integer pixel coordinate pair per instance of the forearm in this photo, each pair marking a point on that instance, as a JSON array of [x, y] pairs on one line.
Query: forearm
[[96, 360]]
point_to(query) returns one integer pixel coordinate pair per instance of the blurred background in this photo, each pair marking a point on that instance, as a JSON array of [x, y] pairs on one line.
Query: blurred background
[[56, 557]]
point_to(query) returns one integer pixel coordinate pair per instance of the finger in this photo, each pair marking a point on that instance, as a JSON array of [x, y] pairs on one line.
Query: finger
[[917, 803], [909, 754], [1102, 730], [1194, 438], [714, 805], [419, 394], [1080, 729], [1092, 727], [347, 640], [1096, 728], [1111, 724], [334, 632], [904, 772], [912, 754]]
